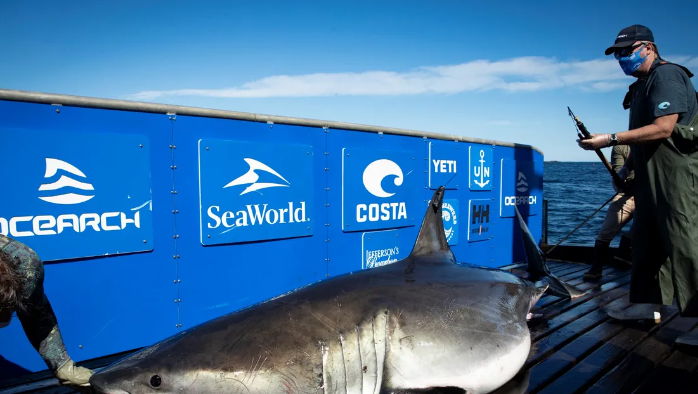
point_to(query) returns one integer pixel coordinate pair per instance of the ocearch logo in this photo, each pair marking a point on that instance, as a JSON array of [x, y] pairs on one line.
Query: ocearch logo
[[42, 225], [373, 177], [521, 183], [52, 167]]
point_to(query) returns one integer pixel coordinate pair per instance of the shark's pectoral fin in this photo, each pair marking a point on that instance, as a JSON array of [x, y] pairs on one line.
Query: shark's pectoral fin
[[561, 289], [538, 267]]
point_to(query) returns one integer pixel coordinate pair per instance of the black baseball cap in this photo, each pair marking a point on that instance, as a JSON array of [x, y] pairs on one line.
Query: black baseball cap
[[629, 35]]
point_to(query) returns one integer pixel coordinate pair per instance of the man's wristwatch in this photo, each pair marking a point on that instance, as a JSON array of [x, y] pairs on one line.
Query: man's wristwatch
[[614, 140]]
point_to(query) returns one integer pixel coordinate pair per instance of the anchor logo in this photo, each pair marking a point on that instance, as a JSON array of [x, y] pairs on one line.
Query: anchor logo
[[481, 171]]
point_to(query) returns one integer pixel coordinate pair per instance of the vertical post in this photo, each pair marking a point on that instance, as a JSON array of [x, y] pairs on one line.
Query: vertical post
[[545, 222]]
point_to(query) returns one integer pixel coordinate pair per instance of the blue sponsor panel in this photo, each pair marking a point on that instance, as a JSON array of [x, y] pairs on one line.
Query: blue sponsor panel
[[77, 194], [480, 167], [379, 248], [243, 263], [481, 214], [380, 189], [443, 164], [265, 193], [344, 246], [450, 216], [521, 186], [110, 290]]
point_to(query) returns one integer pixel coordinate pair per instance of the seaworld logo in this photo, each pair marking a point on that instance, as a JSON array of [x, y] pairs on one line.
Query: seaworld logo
[[257, 214], [251, 177]]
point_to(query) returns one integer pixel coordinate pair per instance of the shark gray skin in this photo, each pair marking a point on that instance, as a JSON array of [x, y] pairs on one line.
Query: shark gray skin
[[537, 267], [422, 323]]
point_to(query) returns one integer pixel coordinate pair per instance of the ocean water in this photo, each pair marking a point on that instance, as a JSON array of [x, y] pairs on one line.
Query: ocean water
[[574, 191]]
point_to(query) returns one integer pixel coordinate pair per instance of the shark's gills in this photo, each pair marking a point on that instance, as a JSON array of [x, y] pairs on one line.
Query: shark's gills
[[353, 364]]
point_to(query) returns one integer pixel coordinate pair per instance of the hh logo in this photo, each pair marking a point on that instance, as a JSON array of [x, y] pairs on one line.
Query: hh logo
[[480, 220], [481, 214]]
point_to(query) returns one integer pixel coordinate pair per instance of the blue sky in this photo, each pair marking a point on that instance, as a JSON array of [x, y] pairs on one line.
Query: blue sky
[[502, 70]]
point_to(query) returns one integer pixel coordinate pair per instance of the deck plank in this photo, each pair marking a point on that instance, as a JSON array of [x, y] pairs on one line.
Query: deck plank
[[641, 361], [588, 370]]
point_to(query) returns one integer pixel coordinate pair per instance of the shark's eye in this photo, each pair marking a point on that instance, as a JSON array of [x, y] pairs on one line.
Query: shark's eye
[[155, 381]]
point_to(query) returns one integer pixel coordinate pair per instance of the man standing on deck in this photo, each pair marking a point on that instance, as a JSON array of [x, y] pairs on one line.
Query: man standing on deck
[[663, 135], [620, 211], [22, 290]]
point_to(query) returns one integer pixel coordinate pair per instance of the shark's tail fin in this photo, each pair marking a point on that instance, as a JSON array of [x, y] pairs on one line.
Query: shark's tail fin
[[538, 268], [432, 237]]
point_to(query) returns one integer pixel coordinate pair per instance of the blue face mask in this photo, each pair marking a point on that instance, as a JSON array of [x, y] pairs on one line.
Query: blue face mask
[[631, 63]]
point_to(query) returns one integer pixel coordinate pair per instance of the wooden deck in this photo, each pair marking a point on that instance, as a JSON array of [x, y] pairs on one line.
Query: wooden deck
[[577, 348]]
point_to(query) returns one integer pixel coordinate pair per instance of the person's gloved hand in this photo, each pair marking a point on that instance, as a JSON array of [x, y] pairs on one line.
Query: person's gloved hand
[[597, 141], [71, 375]]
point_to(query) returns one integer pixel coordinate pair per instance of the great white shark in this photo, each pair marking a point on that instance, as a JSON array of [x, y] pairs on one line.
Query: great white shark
[[422, 323]]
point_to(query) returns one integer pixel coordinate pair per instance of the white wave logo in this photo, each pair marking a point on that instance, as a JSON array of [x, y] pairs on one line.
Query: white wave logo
[[52, 166], [448, 214], [376, 172], [251, 177], [521, 184]]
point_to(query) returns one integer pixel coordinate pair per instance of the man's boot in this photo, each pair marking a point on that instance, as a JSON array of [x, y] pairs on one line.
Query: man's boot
[[638, 312], [602, 252]]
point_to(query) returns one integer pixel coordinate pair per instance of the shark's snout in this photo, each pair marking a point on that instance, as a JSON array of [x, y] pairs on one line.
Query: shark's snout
[[99, 384]]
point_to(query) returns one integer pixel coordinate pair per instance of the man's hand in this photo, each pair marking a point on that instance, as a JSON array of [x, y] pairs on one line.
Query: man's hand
[[70, 374], [597, 141]]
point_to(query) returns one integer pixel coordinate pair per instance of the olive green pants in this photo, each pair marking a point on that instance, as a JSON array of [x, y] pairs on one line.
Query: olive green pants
[[665, 242]]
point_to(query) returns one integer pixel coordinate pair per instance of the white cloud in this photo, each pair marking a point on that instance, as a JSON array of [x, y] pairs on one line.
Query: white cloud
[[514, 75]]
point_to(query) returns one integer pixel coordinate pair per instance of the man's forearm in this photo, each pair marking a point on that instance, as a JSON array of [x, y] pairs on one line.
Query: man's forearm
[[659, 130]]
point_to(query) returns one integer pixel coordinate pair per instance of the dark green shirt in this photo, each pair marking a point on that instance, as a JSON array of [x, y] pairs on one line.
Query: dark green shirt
[[667, 90], [660, 166]]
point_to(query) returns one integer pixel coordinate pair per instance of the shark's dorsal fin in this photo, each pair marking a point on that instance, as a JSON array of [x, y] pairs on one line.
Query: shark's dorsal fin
[[432, 237]]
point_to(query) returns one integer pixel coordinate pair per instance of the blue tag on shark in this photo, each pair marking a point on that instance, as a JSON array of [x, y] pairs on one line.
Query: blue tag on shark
[[251, 191], [480, 169], [77, 195]]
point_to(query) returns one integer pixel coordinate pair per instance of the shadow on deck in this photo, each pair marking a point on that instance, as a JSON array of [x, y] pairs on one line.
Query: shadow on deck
[[576, 347]]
